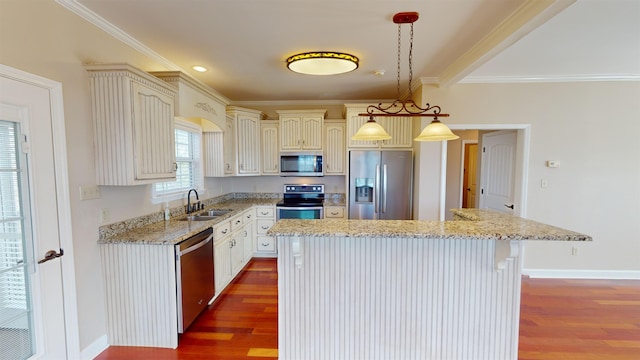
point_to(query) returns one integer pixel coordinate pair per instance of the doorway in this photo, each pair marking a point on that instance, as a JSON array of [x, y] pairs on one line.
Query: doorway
[[469, 174], [37, 309], [451, 197]]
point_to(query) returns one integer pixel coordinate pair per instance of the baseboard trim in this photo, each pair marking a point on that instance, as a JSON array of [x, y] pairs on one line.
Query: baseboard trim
[[582, 274], [94, 349]]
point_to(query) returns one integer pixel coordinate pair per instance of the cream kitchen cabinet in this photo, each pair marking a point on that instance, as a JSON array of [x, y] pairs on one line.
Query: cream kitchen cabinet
[[399, 127], [229, 148], [265, 218], [247, 123], [301, 129], [334, 212], [335, 148], [270, 147], [133, 125]]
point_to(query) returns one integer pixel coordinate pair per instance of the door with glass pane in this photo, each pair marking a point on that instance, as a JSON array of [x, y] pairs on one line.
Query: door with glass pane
[[31, 297]]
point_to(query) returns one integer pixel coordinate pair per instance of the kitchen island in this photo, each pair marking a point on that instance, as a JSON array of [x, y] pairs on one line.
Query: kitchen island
[[372, 289]]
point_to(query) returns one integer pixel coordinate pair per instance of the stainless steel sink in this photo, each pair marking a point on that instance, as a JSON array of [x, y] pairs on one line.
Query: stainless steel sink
[[198, 218], [215, 213]]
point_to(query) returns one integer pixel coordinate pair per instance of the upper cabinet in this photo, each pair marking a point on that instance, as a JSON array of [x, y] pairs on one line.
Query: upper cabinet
[[247, 123], [270, 148], [229, 150], [399, 127], [335, 148], [301, 129], [133, 125]]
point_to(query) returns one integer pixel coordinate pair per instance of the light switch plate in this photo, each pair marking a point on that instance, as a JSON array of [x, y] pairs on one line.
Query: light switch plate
[[88, 192]]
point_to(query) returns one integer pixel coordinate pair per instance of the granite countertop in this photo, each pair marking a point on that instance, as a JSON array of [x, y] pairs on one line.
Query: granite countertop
[[175, 230], [477, 224]]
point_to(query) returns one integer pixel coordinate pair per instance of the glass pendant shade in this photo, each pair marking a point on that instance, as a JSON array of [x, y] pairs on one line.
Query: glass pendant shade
[[371, 131], [436, 131]]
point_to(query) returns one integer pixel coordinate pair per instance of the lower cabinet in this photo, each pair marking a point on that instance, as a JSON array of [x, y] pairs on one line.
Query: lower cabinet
[[234, 247], [265, 218], [334, 212]]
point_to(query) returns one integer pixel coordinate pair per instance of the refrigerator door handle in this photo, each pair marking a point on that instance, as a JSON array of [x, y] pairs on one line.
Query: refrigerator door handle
[[376, 187], [383, 190]]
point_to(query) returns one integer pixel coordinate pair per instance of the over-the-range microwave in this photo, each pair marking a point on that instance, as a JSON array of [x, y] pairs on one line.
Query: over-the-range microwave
[[301, 163]]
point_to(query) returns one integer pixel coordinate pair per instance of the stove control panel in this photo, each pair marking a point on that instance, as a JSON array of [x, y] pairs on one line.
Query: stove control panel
[[304, 189]]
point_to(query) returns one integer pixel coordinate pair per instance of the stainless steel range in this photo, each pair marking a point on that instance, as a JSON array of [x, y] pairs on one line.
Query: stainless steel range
[[301, 202]]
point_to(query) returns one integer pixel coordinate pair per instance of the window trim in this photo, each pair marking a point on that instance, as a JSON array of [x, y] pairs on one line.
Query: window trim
[[189, 126]]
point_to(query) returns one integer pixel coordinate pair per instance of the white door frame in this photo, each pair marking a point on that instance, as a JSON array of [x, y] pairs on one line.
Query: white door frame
[[522, 163], [62, 193]]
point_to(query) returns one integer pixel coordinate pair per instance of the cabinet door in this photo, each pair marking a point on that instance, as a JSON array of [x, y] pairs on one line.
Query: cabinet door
[[154, 134], [229, 147], [290, 133], [311, 133], [270, 149], [222, 264], [248, 145], [335, 149], [248, 241], [213, 154], [237, 252]]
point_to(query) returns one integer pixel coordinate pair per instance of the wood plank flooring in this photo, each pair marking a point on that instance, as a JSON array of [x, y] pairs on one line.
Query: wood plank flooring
[[560, 319]]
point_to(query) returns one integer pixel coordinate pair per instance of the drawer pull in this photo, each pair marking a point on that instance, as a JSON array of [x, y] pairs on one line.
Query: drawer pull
[[265, 244], [264, 227], [264, 213], [334, 213]]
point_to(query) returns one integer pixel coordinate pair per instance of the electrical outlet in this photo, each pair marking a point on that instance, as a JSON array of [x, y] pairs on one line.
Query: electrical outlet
[[544, 183], [574, 251], [105, 214]]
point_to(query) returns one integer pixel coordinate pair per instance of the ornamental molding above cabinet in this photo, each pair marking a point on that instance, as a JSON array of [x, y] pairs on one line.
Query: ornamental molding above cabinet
[[195, 100]]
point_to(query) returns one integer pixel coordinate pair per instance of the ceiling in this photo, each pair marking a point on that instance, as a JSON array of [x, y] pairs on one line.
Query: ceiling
[[244, 44]]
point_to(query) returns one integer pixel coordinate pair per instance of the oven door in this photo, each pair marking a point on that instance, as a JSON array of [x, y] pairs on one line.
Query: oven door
[[303, 212]]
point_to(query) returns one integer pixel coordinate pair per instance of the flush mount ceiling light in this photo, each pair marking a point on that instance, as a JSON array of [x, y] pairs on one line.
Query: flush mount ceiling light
[[322, 63], [436, 131], [199, 68]]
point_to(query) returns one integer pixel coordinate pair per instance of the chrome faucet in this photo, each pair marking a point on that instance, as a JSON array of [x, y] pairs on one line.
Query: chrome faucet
[[195, 206]]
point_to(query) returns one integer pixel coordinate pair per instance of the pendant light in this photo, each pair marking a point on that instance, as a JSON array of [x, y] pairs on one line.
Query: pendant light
[[436, 131]]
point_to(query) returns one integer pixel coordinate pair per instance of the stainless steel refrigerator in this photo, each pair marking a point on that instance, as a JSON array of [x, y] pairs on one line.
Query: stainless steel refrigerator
[[380, 184]]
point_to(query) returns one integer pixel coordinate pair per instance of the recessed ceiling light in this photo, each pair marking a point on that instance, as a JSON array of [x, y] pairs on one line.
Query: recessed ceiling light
[[322, 63], [199, 68]]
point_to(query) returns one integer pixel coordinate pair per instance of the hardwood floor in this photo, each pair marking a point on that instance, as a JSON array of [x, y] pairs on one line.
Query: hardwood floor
[[560, 319]]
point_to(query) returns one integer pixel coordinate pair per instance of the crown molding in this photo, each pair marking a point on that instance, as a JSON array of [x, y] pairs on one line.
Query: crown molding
[[525, 19], [547, 78], [100, 22]]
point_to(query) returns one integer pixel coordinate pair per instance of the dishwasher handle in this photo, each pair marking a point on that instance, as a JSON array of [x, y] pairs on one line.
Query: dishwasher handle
[[196, 246]]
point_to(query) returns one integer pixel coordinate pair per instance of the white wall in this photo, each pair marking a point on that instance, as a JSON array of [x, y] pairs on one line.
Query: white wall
[[592, 129]]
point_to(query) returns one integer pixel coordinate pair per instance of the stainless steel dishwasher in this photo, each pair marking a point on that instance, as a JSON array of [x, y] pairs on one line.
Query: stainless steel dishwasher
[[194, 276]]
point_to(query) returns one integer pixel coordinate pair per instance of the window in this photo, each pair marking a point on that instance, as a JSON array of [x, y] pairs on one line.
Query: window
[[189, 173]]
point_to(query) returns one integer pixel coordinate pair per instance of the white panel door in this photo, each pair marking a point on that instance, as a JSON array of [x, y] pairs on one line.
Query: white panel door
[[497, 179], [31, 294]]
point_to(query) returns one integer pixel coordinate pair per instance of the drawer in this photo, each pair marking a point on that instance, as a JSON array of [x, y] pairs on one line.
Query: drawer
[[266, 212], [236, 222], [248, 216], [334, 212], [222, 230], [264, 225], [266, 244]]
